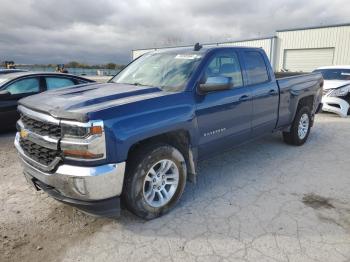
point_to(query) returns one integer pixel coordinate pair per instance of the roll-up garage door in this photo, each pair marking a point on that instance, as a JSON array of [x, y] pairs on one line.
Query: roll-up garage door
[[307, 60]]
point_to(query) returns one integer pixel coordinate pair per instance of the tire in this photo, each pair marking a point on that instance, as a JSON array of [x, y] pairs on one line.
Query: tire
[[146, 192], [303, 121]]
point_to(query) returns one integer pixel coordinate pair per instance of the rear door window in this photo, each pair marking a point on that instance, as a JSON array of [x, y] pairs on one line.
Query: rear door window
[[58, 82], [255, 68], [23, 86]]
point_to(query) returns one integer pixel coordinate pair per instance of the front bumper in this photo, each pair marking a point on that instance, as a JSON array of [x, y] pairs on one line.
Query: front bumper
[[335, 105], [107, 207], [75, 184]]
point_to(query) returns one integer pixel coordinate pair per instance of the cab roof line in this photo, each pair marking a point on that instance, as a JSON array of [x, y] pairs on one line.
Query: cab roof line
[[204, 44]]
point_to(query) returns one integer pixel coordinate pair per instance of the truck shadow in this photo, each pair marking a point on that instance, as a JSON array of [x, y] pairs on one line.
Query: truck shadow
[[46, 235]]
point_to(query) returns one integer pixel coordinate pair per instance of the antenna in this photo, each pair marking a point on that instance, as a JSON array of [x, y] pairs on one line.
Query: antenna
[[197, 47]]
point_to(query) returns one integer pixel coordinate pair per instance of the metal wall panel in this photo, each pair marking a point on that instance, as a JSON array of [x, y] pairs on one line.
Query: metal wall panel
[[260, 43], [336, 37]]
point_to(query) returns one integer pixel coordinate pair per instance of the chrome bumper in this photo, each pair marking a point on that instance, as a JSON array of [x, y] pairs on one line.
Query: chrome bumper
[[78, 182]]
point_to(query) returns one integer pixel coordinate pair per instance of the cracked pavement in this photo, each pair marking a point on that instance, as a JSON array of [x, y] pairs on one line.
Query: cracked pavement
[[263, 201]]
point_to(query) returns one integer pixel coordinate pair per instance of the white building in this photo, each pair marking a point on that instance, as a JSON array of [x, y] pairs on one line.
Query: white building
[[299, 49]]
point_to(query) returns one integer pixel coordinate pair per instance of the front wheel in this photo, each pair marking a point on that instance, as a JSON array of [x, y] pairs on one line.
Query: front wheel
[[300, 128], [155, 180]]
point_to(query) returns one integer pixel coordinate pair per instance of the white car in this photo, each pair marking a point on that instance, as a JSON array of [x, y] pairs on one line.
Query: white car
[[336, 89]]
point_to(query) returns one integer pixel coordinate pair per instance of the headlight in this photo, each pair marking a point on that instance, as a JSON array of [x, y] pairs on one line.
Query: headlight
[[74, 131], [341, 91], [83, 141], [80, 130]]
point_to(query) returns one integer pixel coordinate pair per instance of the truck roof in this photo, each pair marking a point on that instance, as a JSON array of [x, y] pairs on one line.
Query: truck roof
[[190, 50]]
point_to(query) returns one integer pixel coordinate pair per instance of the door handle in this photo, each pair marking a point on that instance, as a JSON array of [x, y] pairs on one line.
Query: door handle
[[272, 92], [244, 98]]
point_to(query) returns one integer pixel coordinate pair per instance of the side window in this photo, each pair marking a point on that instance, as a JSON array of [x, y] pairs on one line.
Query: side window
[[58, 82], [226, 65], [256, 68], [27, 85]]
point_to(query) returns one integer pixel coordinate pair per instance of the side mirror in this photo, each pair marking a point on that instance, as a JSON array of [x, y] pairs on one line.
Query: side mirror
[[4, 94], [217, 83]]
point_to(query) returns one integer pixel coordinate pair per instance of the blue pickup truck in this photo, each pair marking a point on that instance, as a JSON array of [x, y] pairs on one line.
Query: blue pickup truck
[[134, 142]]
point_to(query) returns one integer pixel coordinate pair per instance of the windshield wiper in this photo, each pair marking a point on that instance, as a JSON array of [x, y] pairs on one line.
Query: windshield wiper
[[139, 84], [134, 84]]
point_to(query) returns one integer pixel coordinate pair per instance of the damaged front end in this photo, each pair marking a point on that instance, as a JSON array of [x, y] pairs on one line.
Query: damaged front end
[[337, 100]]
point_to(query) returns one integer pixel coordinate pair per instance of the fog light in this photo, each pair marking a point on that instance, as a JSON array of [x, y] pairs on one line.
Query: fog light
[[79, 184]]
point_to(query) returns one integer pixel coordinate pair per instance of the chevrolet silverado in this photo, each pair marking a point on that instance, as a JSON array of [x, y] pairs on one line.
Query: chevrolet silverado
[[134, 142]]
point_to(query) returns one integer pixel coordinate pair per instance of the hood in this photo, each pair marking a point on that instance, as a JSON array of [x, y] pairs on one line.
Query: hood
[[331, 84], [74, 103]]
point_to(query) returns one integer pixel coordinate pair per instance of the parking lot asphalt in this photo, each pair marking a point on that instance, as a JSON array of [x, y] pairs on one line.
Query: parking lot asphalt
[[263, 201]]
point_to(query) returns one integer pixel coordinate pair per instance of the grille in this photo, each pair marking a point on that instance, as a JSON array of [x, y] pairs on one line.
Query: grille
[[38, 153], [41, 128]]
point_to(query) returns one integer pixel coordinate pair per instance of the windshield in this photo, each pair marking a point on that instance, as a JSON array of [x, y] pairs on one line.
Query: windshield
[[335, 74], [168, 71]]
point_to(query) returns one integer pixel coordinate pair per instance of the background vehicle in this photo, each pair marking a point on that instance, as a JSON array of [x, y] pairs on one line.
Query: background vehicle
[[336, 95], [140, 136], [14, 86], [8, 71]]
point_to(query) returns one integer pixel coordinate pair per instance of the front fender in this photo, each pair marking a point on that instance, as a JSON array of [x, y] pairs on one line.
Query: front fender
[[149, 119]]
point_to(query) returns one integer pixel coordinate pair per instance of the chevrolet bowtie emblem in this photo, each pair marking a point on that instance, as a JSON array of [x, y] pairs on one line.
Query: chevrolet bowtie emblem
[[23, 133]]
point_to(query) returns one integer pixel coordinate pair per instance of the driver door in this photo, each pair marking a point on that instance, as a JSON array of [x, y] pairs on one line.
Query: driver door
[[16, 89], [224, 117]]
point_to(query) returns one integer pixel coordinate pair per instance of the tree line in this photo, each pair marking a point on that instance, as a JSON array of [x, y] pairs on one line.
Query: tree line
[[72, 64], [75, 64]]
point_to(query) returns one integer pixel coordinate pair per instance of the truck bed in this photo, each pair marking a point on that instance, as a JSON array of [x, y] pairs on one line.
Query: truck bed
[[279, 75], [292, 86]]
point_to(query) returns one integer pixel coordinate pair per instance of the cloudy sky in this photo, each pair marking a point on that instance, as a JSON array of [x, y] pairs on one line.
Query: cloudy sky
[[100, 31]]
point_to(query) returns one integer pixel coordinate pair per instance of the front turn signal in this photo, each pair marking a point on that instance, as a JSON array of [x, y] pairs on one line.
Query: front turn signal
[[81, 154]]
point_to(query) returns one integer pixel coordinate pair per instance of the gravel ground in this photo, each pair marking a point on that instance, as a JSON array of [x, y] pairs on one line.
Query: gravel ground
[[264, 201]]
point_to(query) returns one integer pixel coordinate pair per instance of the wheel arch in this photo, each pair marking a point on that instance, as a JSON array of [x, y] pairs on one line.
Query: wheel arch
[[307, 100], [180, 139]]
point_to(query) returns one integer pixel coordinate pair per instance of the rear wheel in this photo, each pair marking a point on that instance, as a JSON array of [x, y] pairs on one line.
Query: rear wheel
[[155, 181], [300, 128]]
